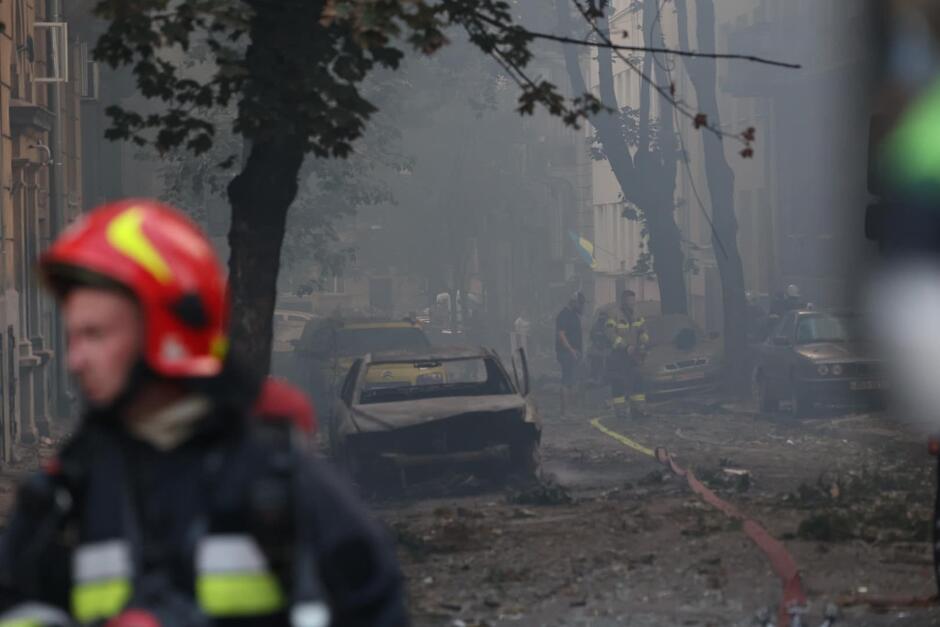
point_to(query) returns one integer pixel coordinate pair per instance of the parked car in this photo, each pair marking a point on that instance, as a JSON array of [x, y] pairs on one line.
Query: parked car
[[681, 358], [327, 348], [814, 357], [459, 408]]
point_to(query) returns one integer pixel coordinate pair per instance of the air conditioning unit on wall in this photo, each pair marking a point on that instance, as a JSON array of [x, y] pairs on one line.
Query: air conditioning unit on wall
[[90, 74]]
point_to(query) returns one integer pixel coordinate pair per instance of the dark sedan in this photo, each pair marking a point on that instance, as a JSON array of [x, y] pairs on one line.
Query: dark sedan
[[814, 357]]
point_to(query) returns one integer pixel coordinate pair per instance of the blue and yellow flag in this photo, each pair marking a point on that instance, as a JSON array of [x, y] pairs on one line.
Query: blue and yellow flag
[[585, 248]]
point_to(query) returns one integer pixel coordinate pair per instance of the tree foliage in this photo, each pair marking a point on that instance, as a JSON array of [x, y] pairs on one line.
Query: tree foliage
[[319, 67], [292, 72]]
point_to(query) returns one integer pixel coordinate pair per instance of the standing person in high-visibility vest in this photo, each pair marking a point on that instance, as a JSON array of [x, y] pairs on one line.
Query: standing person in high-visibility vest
[[173, 504], [629, 338]]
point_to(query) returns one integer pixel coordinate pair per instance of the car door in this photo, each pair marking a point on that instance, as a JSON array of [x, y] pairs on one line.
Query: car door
[[520, 372], [342, 408]]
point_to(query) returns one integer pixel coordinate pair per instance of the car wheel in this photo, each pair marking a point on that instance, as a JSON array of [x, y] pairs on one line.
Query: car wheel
[[526, 457], [766, 402]]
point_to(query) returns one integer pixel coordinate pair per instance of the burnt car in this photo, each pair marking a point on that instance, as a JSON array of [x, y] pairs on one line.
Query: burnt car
[[815, 357], [457, 408]]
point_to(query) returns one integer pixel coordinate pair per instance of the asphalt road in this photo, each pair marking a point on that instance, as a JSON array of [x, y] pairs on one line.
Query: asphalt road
[[850, 496], [613, 538]]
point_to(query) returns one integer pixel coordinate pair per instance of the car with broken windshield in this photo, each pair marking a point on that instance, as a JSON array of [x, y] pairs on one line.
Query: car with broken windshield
[[408, 417], [814, 358]]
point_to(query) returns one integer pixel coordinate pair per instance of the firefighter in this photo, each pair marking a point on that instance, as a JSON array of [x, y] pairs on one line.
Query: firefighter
[[629, 340], [172, 504]]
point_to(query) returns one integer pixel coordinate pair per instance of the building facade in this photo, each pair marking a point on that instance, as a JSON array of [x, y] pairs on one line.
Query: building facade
[[618, 241], [807, 194], [43, 81]]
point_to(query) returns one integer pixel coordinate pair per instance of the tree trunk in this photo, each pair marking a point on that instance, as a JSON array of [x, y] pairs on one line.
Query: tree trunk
[[263, 191], [260, 196], [702, 72], [669, 261], [647, 180]]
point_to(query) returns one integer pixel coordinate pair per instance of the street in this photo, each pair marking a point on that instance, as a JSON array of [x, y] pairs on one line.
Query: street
[[615, 538], [452, 248]]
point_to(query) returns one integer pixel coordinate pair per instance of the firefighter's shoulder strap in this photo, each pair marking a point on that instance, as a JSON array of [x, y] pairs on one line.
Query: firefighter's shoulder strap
[[280, 519], [41, 530]]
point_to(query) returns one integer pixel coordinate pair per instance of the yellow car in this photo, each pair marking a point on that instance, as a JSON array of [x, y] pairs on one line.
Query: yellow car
[[327, 348], [681, 357]]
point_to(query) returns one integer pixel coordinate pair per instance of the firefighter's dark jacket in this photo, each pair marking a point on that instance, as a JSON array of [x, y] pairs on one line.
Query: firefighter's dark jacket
[[232, 479]]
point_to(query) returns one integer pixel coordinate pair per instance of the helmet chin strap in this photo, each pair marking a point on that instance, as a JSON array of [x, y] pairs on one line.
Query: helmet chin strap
[[140, 375]]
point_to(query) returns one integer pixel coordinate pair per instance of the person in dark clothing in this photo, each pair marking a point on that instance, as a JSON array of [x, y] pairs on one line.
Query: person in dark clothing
[[569, 347], [756, 319], [173, 504], [790, 300]]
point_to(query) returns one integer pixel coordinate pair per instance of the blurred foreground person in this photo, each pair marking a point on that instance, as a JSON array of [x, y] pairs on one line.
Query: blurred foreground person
[[904, 295], [279, 401], [569, 348], [173, 504]]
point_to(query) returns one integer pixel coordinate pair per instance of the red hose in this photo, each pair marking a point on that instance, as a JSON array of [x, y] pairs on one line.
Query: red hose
[[783, 564]]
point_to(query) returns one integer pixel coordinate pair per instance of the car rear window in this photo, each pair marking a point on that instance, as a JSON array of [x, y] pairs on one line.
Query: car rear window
[[359, 341], [665, 330]]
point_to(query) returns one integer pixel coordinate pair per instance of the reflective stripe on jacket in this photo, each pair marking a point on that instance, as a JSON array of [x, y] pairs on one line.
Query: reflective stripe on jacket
[[101, 580]]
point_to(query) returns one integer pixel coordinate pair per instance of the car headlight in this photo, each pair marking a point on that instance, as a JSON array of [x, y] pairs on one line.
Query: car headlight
[[822, 370], [837, 370]]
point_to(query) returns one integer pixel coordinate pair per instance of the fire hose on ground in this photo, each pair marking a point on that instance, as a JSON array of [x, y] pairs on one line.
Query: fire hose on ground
[[794, 603]]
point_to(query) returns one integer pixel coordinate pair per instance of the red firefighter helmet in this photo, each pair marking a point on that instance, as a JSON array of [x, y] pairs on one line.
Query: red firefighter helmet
[[167, 264]]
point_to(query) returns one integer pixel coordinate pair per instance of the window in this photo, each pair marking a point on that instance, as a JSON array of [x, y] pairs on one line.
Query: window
[[331, 284], [824, 328], [332, 341], [57, 70], [401, 381]]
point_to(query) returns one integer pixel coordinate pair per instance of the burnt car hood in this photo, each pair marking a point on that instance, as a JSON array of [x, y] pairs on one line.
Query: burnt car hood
[[378, 417], [835, 351]]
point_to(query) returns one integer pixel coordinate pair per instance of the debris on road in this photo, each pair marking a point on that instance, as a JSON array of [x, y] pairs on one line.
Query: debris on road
[[609, 521], [545, 491]]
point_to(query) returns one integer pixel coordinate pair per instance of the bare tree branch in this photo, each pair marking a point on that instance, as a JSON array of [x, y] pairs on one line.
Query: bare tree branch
[[698, 119], [682, 53]]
